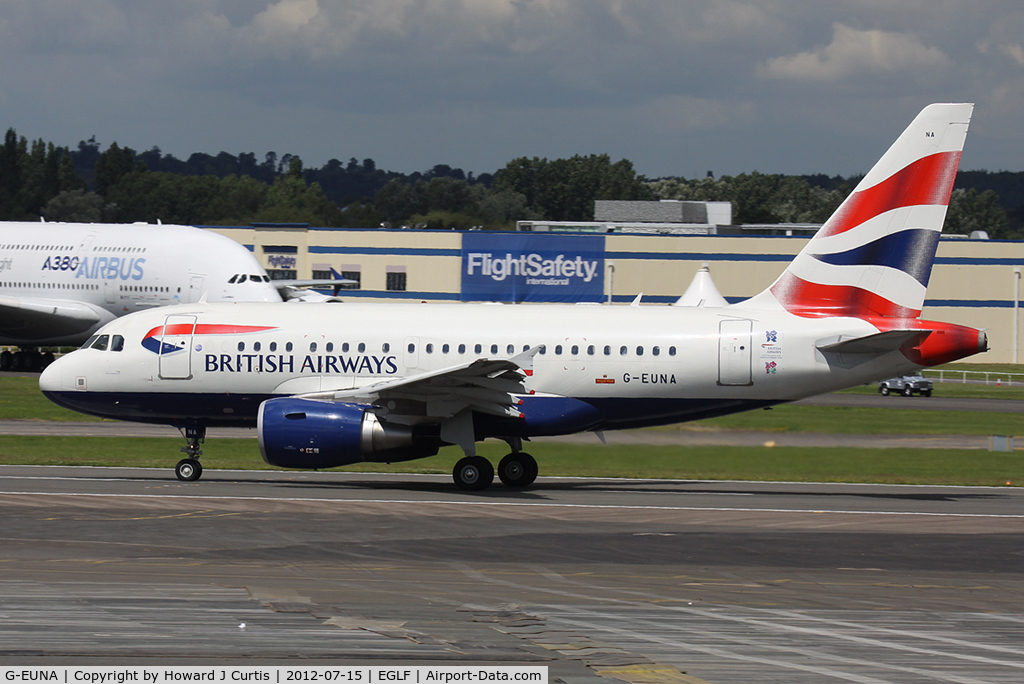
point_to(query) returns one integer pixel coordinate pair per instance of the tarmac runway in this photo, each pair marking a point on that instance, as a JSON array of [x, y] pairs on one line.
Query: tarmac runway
[[601, 580]]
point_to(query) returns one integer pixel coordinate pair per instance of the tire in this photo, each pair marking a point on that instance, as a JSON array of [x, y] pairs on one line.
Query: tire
[[908, 391], [188, 470], [884, 390], [473, 474], [517, 470], [6, 360], [926, 393]]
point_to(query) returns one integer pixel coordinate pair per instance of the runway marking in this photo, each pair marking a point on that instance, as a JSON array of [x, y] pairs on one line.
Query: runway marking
[[682, 645], [514, 504]]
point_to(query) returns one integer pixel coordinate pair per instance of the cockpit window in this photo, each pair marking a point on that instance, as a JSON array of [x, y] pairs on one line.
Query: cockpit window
[[256, 278], [101, 342], [241, 278], [233, 278], [88, 342], [117, 343]]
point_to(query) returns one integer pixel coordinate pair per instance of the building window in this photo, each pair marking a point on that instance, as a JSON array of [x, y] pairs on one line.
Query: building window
[[282, 274], [357, 276], [395, 282]]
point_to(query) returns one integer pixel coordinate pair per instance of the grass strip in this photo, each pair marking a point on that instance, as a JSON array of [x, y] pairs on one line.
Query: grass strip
[[788, 464]]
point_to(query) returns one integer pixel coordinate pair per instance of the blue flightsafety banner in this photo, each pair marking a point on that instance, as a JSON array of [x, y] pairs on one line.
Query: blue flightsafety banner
[[532, 267]]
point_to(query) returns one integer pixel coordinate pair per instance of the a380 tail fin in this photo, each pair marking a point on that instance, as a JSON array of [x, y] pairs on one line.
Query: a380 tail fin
[[874, 256]]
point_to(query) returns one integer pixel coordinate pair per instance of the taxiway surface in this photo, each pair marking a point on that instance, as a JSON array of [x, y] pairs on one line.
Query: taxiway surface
[[642, 581]]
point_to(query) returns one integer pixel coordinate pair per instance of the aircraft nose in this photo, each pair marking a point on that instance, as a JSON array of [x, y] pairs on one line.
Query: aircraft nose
[[56, 377]]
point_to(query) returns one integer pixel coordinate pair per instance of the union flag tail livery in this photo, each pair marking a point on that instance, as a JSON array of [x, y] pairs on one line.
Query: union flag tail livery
[[874, 256], [328, 386]]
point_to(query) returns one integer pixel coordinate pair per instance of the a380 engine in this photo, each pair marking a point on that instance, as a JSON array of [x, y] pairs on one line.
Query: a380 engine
[[312, 434]]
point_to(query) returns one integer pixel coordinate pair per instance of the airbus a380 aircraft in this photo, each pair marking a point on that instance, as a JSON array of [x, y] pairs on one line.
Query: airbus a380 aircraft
[[60, 282], [393, 382]]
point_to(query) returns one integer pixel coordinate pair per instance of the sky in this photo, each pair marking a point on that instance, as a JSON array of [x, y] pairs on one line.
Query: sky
[[678, 87]]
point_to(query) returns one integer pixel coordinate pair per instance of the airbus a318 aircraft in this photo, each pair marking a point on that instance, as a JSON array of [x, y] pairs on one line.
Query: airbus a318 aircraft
[[394, 382]]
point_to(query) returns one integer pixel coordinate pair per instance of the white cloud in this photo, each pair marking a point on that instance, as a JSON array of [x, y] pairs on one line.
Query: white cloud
[[854, 52]]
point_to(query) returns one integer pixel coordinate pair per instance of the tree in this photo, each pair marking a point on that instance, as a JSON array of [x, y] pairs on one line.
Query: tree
[[970, 210], [75, 206], [565, 189], [112, 165]]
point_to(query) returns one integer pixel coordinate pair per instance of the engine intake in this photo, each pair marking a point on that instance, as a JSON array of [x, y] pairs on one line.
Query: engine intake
[[313, 434]]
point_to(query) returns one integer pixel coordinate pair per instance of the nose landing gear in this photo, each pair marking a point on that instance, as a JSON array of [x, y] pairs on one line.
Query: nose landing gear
[[189, 469]]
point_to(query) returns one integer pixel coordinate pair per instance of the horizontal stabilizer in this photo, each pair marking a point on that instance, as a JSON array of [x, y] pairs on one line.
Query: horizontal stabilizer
[[879, 343]]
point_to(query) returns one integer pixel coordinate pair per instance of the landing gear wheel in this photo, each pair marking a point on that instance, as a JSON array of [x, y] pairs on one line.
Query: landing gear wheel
[[188, 470], [517, 470], [473, 473]]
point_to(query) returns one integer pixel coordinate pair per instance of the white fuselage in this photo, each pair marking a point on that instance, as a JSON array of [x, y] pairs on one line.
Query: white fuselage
[[637, 365], [89, 274]]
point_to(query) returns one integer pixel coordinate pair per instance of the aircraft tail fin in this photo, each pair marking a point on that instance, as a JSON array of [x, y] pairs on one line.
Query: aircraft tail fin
[[874, 256]]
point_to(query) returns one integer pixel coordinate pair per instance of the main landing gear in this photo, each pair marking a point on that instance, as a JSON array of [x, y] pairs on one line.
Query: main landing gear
[[516, 470], [190, 469]]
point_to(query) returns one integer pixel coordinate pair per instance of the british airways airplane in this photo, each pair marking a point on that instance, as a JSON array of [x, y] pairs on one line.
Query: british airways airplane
[[60, 282], [394, 382]]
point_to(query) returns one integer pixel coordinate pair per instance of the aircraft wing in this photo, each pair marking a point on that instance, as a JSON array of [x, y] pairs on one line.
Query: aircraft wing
[[32, 318], [484, 385], [299, 290]]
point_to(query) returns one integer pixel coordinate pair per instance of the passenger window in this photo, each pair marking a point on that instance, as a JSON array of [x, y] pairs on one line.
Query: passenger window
[[312, 347], [411, 348], [477, 349], [607, 350], [558, 349], [273, 346], [623, 350], [671, 351], [117, 343], [575, 350], [655, 350], [445, 348], [288, 346], [330, 347], [256, 346], [101, 342], [344, 346], [241, 346], [639, 351], [386, 347], [430, 348], [362, 347], [494, 349], [462, 349], [590, 350], [510, 349]]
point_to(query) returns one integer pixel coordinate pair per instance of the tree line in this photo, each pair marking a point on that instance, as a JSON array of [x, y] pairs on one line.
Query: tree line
[[119, 184]]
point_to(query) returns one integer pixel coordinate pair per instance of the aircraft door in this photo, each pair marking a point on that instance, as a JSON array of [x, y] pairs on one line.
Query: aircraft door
[[734, 353], [195, 288], [176, 347]]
